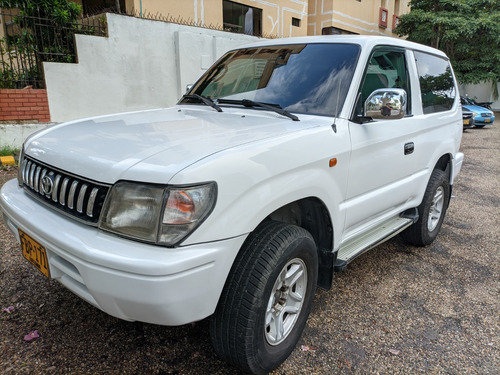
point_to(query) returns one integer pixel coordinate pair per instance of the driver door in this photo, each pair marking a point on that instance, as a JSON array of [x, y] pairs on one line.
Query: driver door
[[383, 150]]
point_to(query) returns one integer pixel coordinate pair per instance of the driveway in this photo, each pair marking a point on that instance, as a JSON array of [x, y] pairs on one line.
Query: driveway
[[395, 310]]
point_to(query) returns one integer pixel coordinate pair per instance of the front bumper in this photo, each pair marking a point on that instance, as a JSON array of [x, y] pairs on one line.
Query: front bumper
[[479, 120], [126, 279]]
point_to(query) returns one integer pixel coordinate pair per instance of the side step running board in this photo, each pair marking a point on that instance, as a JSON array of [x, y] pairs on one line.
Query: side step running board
[[358, 245]]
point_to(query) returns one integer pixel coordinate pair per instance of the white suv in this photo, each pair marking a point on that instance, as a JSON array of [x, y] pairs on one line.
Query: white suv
[[284, 162]]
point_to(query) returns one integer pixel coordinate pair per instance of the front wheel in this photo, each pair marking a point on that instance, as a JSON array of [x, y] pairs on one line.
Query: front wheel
[[267, 298], [431, 211]]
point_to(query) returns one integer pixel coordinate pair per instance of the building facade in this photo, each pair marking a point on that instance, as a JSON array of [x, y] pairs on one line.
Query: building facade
[[275, 18], [368, 17], [269, 18]]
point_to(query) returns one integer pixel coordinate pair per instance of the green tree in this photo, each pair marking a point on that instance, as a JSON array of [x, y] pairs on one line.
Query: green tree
[[468, 31], [44, 31], [49, 24], [60, 11]]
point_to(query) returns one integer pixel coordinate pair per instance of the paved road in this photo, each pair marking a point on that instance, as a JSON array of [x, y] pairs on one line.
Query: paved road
[[397, 309]]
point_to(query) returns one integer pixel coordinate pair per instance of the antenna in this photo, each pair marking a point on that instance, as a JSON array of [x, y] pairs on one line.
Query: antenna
[[334, 125]]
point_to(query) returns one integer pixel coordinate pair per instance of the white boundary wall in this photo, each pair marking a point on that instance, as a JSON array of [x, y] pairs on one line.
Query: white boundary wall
[[143, 64], [483, 92], [13, 135]]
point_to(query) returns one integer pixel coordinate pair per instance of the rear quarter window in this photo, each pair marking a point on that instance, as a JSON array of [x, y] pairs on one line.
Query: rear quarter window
[[437, 85]]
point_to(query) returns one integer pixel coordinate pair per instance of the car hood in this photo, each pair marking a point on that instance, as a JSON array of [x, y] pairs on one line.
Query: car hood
[[153, 145], [476, 108]]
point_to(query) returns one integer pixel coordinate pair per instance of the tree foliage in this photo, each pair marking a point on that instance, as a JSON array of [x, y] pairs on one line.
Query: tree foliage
[[60, 11], [468, 31], [49, 24], [43, 31]]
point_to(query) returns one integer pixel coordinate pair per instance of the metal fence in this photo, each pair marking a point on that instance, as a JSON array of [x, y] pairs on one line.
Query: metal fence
[[31, 40]]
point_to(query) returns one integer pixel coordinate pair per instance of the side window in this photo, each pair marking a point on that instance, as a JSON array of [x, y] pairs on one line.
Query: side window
[[436, 83], [386, 69]]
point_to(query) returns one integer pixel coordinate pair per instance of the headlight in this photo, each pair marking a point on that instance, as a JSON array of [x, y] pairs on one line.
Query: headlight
[[475, 114], [157, 214]]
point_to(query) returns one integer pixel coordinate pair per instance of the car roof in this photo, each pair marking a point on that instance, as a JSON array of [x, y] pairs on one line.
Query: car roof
[[366, 41]]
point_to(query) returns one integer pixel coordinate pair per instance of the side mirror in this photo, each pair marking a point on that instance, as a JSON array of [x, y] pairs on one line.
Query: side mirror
[[386, 104]]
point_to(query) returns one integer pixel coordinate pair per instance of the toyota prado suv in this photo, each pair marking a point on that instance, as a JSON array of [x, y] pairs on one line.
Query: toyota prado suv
[[285, 161]]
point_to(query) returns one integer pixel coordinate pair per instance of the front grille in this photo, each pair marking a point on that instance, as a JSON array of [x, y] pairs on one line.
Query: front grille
[[75, 196], [485, 114]]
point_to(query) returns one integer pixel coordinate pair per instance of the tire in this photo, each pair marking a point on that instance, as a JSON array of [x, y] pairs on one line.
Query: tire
[[267, 298], [431, 211], [479, 126]]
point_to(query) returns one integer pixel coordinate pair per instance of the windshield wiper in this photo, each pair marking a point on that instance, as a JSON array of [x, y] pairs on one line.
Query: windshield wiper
[[205, 100], [272, 107]]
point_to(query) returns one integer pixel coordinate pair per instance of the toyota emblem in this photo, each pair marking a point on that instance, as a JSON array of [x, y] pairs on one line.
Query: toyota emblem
[[47, 184]]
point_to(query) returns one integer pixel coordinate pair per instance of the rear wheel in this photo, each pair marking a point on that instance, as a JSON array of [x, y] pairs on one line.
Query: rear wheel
[[431, 211], [267, 298]]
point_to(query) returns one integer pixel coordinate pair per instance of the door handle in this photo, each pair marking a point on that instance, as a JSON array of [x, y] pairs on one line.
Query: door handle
[[409, 148]]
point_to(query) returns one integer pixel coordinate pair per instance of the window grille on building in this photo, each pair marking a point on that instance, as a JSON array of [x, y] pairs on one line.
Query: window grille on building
[[239, 18]]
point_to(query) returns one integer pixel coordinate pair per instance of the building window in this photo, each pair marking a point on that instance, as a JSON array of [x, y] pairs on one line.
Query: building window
[[295, 22], [383, 16], [239, 18], [395, 22]]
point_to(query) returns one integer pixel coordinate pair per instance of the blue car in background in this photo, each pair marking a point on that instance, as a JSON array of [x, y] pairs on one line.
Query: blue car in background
[[482, 116]]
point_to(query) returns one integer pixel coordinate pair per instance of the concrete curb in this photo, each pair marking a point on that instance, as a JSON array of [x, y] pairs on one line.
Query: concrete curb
[[7, 160]]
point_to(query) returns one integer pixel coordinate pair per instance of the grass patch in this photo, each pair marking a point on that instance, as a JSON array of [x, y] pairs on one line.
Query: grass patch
[[8, 151]]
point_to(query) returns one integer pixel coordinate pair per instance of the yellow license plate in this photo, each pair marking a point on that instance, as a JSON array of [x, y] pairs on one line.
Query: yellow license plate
[[487, 120], [34, 253], [466, 122]]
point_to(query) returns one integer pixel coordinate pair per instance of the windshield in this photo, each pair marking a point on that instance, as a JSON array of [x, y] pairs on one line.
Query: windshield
[[303, 78]]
